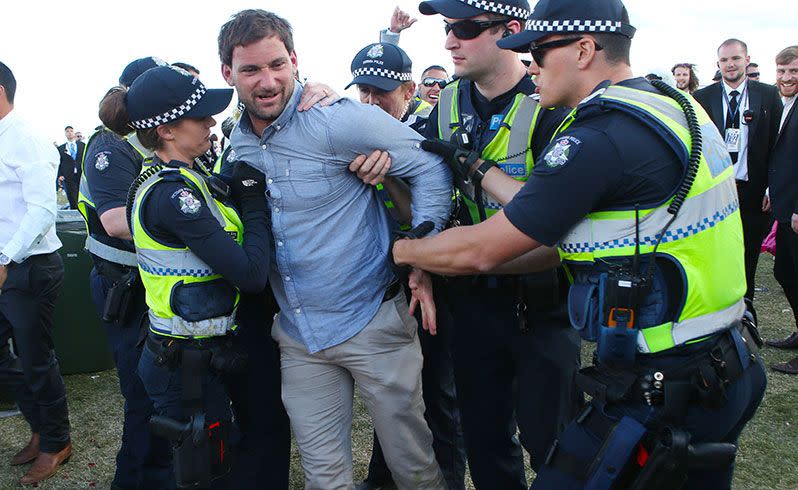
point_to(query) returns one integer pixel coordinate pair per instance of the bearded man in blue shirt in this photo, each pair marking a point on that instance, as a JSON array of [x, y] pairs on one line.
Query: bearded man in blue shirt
[[344, 317]]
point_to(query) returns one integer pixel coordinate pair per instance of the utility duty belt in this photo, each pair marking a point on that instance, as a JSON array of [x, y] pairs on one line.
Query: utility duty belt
[[702, 377], [222, 353], [118, 298]]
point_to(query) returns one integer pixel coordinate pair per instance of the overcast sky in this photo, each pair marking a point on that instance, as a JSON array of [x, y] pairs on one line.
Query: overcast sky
[[66, 55]]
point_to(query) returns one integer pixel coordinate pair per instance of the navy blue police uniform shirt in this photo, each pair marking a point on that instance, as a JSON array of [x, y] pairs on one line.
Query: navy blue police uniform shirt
[[176, 215], [547, 124], [612, 161], [110, 166]]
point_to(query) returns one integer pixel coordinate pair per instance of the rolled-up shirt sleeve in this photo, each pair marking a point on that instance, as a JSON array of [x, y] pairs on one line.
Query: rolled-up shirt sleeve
[[37, 173], [358, 129]]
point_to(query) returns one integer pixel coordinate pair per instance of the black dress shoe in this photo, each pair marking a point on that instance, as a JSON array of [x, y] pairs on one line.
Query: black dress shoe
[[789, 367], [790, 342]]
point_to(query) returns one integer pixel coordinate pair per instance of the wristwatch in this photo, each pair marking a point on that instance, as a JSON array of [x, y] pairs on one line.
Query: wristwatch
[[5, 260]]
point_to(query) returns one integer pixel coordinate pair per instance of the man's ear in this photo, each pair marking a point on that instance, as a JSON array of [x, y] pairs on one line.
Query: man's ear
[[411, 90], [227, 74]]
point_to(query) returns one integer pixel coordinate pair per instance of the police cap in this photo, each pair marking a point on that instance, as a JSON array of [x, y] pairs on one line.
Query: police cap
[[381, 65], [137, 67], [465, 9], [570, 16], [167, 93]]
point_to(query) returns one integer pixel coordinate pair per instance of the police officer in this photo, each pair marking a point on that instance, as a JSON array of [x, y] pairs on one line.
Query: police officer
[[383, 74], [190, 256], [638, 195], [110, 165], [514, 356]]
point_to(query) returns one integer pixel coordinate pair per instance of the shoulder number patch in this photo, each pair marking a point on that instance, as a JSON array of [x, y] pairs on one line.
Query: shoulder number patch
[[562, 150]]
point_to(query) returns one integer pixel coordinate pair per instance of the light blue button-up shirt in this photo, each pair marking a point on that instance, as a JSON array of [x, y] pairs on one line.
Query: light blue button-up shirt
[[331, 232]]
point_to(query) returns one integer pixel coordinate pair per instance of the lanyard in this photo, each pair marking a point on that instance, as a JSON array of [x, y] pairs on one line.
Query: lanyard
[[739, 102]]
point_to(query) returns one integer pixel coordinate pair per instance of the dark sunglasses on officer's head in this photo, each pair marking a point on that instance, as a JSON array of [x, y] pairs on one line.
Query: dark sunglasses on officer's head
[[753, 74], [469, 29], [538, 51], [432, 81]]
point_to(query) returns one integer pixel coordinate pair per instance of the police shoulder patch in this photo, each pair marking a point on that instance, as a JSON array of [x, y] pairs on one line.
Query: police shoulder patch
[[101, 161], [562, 150], [186, 201]]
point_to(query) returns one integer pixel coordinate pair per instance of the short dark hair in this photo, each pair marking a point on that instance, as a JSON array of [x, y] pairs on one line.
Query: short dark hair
[[752, 65], [8, 82], [250, 26], [787, 55], [616, 47], [732, 41], [434, 67], [186, 67], [68, 127]]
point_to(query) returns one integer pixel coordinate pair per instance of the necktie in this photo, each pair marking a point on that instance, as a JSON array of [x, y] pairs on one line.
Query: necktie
[[733, 118], [73, 150]]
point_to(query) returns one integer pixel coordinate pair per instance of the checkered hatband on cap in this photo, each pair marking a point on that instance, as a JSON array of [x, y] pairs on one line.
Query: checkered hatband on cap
[[499, 8], [172, 114], [381, 72], [574, 25]]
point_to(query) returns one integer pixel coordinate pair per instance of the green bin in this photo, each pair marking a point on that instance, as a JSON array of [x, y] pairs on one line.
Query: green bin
[[80, 341]]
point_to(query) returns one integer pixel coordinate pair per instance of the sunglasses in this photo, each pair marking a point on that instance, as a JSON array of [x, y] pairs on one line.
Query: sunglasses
[[753, 74], [431, 82], [469, 29], [538, 51]]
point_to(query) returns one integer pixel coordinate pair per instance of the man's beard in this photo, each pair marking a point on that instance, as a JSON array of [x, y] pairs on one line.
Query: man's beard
[[268, 114], [734, 80]]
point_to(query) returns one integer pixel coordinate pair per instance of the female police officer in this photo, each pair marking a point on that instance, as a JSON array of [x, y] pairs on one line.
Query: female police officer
[[188, 240]]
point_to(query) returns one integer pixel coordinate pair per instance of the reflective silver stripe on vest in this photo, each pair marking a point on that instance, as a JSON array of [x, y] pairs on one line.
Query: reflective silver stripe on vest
[[698, 213], [519, 131], [181, 263], [700, 326], [424, 111], [212, 327], [84, 188], [445, 103], [133, 140], [109, 253], [658, 103]]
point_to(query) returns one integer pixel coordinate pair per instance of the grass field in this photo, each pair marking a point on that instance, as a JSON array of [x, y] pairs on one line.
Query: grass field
[[767, 459]]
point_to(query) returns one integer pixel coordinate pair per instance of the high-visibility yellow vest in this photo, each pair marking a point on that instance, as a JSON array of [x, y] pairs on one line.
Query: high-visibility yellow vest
[[164, 269], [705, 240], [509, 146]]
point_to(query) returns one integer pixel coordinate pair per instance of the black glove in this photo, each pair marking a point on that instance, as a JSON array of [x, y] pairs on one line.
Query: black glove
[[421, 230], [462, 161], [248, 187]]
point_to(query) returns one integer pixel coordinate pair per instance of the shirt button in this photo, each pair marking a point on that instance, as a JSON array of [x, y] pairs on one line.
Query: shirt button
[[276, 210], [279, 244], [287, 278], [298, 311], [264, 146], [270, 181]]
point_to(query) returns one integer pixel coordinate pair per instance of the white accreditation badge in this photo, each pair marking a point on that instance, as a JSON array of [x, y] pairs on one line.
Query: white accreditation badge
[[732, 140]]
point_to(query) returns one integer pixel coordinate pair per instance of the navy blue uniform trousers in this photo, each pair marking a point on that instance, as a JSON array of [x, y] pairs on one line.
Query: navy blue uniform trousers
[[143, 460], [27, 307], [263, 452], [704, 424], [508, 380]]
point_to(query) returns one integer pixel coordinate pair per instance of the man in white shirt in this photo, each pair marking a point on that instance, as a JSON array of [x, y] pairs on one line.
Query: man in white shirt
[[747, 114], [31, 274]]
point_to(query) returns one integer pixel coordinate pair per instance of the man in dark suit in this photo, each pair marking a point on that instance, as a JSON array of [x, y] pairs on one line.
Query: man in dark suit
[[784, 195], [69, 169], [747, 115]]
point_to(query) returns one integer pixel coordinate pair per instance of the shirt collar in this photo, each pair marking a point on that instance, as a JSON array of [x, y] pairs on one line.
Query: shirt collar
[[7, 121], [740, 89], [245, 125]]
